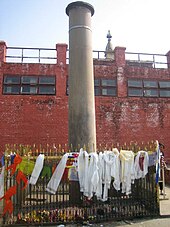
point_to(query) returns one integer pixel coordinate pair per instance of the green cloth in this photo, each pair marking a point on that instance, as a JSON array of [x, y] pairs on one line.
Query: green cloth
[[26, 166], [46, 171]]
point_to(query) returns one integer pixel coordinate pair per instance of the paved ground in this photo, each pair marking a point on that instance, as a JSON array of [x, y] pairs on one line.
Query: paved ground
[[165, 202]]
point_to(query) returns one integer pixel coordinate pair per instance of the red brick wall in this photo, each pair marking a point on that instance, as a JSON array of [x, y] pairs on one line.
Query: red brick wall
[[34, 119], [124, 119], [44, 119]]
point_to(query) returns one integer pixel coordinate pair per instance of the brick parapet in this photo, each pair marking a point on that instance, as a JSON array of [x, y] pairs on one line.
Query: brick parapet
[[121, 83], [168, 58], [61, 49], [120, 56], [2, 51]]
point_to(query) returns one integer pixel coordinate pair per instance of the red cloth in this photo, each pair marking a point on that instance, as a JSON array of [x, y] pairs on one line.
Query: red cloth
[[17, 161], [10, 192], [22, 177], [8, 207], [141, 162]]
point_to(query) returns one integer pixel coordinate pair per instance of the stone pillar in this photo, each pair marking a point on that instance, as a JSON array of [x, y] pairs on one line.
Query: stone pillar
[[61, 53], [2, 51], [82, 127], [168, 59]]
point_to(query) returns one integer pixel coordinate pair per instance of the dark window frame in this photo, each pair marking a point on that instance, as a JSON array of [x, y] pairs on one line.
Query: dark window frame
[[100, 87], [28, 85], [154, 88]]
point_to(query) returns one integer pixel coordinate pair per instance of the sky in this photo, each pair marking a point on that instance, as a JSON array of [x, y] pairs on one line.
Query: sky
[[139, 25]]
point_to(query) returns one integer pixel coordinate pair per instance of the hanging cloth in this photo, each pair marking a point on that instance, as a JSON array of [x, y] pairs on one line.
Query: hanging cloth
[[17, 160], [8, 207], [127, 170], [26, 166], [46, 172], [2, 177], [82, 162], [111, 168], [37, 169], [21, 177], [141, 164], [54, 182], [157, 162], [10, 192], [93, 175]]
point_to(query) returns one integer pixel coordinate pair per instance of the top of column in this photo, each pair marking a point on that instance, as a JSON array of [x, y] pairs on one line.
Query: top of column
[[79, 4]]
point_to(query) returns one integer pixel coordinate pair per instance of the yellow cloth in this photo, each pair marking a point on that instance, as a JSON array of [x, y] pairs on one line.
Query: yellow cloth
[[125, 156], [26, 166]]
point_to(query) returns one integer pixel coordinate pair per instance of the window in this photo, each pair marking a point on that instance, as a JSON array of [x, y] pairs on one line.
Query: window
[[50, 90], [11, 80], [11, 89], [165, 93], [135, 92], [135, 83], [164, 88], [29, 85], [105, 87], [46, 80], [28, 90], [150, 92], [150, 84], [164, 84], [135, 87], [29, 80], [102, 87], [148, 88]]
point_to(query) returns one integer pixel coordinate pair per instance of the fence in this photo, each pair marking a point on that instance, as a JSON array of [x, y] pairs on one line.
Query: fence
[[146, 60], [31, 55], [48, 55], [35, 206]]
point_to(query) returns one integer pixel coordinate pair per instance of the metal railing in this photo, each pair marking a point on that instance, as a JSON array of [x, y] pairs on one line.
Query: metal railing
[[48, 55], [31, 55], [35, 206], [146, 60]]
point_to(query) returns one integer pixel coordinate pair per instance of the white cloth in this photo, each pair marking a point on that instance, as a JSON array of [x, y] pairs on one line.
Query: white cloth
[[139, 173], [93, 175], [37, 169], [127, 170], [88, 173], [82, 168], [111, 169], [2, 182], [115, 171], [99, 189], [96, 171], [54, 182]]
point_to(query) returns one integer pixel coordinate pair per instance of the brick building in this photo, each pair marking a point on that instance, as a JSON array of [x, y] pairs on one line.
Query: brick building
[[132, 97]]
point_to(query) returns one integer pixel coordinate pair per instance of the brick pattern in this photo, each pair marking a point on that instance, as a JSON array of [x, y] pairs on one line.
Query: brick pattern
[[44, 119]]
